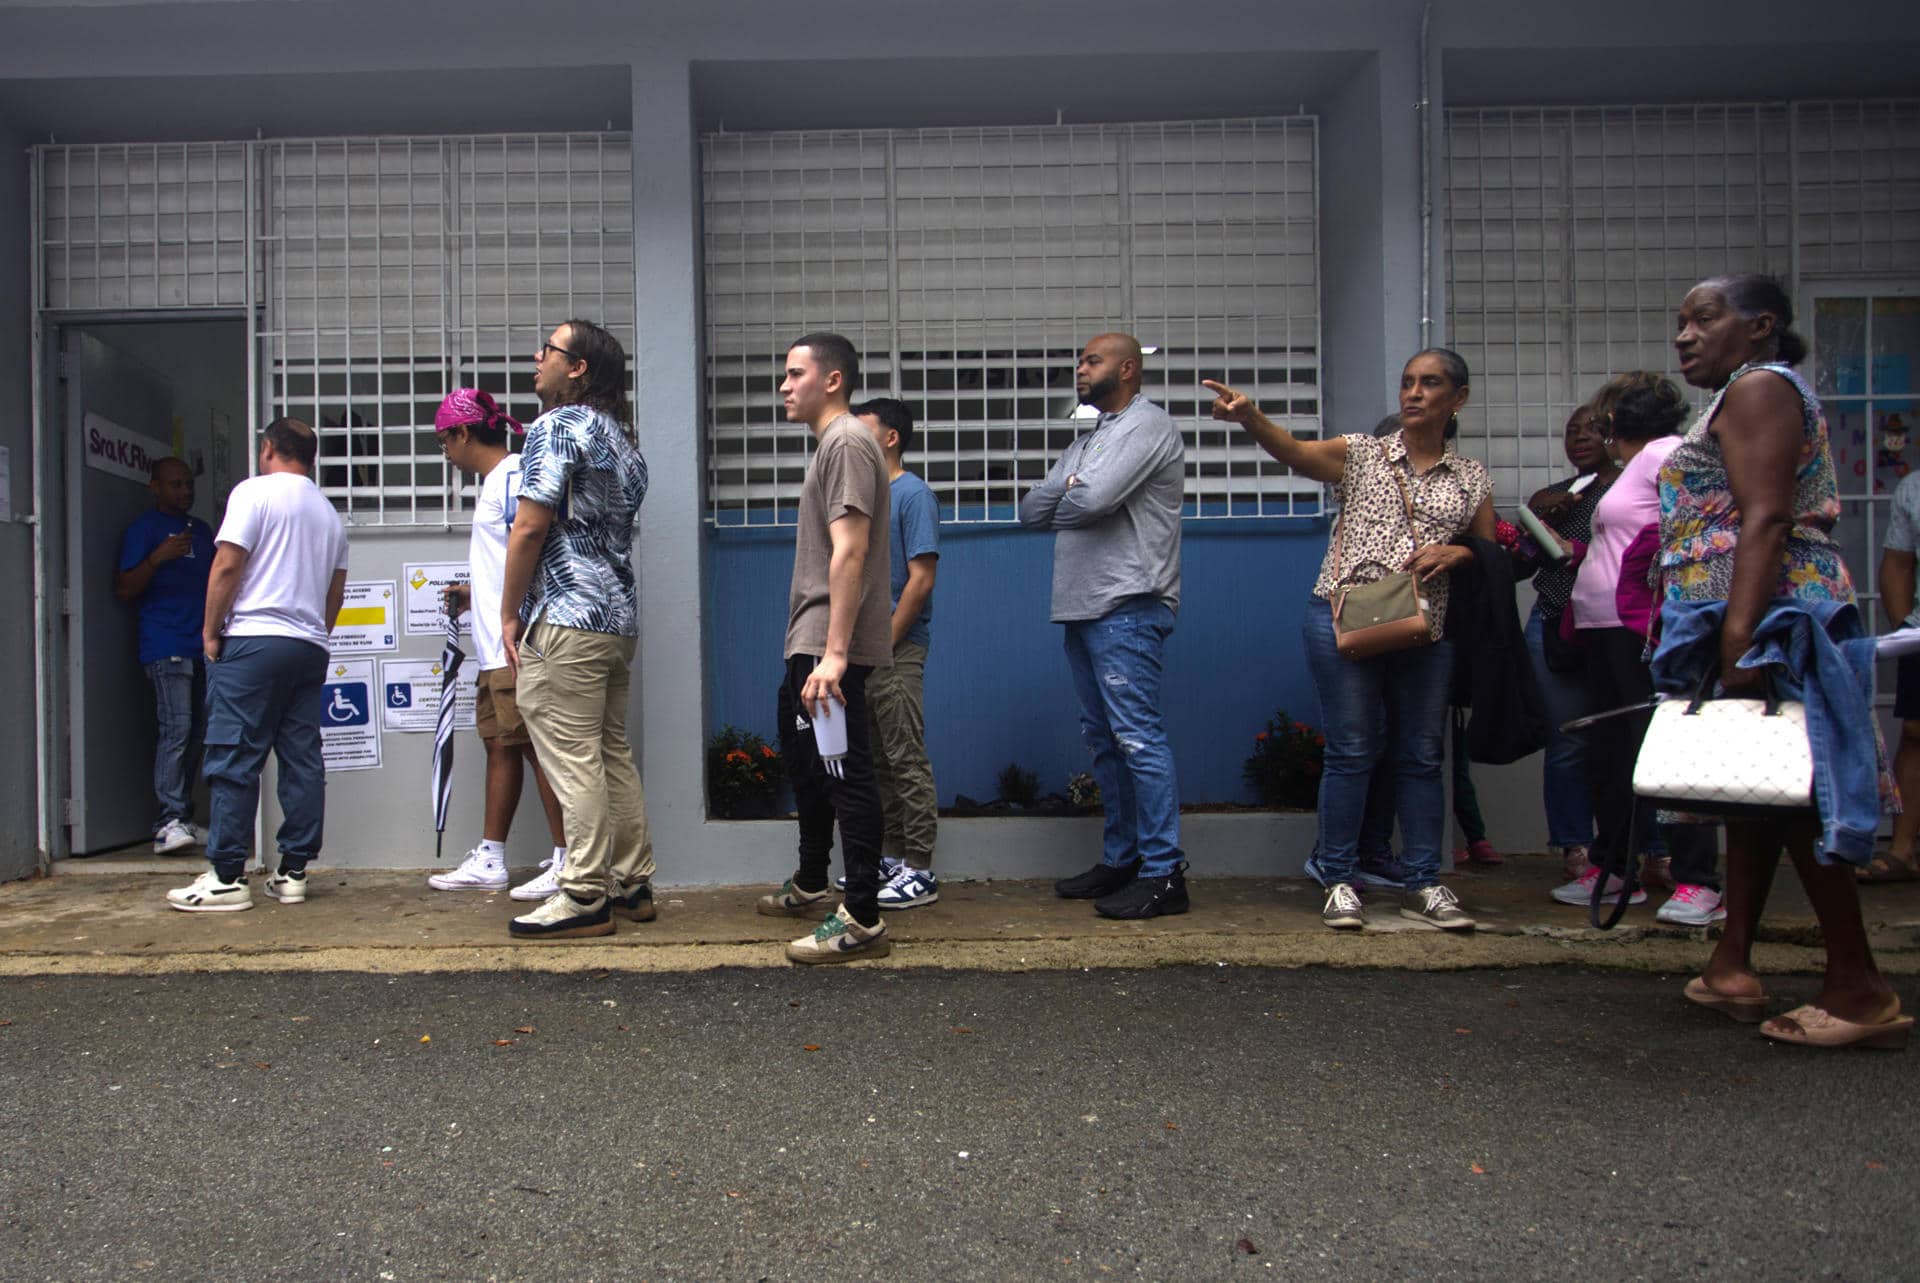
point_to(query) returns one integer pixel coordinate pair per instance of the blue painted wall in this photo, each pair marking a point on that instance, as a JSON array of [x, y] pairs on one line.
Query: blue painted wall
[[997, 683]]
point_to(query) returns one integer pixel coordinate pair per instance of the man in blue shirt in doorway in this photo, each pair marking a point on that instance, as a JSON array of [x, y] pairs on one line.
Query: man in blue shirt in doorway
[[165, 556]]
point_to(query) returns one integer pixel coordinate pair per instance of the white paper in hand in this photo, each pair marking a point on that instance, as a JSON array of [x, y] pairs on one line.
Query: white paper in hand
[[830, 737]]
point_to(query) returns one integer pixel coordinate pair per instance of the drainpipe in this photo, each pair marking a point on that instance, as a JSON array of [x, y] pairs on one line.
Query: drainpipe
[[1423, 109], [48, 800]]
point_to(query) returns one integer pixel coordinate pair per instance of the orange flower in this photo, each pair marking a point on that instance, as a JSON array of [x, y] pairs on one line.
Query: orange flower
[[736, 755], [765, 751], [1261, 737]]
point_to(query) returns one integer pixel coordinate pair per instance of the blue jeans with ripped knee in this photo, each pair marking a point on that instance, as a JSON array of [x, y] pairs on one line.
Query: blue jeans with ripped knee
[[1116, 662]]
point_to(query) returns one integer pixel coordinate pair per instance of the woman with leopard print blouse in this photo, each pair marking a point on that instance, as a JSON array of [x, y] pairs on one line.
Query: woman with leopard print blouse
[[1395, 702]]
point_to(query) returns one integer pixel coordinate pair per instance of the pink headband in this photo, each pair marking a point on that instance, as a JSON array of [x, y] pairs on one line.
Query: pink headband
[[465, 407]]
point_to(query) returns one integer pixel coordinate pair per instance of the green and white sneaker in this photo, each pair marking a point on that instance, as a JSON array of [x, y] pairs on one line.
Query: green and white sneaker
[[791, 902], [208, 894], [841, 939]]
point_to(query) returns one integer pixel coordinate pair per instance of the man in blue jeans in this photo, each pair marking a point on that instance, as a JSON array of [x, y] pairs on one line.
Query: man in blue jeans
[[165, 556], [1113, 500], [279, 573]]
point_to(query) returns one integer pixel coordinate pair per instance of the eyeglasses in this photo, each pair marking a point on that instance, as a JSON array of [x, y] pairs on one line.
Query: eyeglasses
[[553, 347]]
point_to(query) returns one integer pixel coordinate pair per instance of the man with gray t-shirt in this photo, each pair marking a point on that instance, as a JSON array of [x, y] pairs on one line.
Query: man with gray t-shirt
[[1113, 501], [838, 631]]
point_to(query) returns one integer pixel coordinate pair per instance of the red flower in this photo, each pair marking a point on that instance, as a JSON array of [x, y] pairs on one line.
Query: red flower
[[1319, 741], [1261, 737], [765, 751]]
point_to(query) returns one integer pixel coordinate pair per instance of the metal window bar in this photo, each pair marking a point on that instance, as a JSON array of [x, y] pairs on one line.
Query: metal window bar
[[1572, 234], [969, 265]]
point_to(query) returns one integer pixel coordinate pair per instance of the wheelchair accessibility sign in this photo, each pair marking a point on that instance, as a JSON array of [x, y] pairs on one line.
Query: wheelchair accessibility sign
[[349, 736], [410, 695]]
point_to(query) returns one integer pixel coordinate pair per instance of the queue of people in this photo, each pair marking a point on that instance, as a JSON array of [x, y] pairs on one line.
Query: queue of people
[[1736, 515]]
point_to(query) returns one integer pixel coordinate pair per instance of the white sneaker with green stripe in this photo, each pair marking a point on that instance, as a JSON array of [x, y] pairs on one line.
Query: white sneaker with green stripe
[[841, 939]]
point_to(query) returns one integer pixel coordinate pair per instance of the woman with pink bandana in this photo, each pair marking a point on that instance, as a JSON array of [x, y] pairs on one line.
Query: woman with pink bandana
[[477, 436]]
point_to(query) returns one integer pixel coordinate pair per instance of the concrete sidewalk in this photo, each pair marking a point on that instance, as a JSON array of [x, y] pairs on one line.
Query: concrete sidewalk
[[116, 922]]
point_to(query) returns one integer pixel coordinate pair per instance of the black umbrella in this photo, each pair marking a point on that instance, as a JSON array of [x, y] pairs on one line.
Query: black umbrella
[[450, 660]]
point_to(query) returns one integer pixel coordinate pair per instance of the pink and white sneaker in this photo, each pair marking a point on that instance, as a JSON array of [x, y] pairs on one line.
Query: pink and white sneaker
[[1692, 906], [1580, 890]]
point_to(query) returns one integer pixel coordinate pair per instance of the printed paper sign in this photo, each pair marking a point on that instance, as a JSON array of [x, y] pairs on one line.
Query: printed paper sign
[[425, 582], [121, 451], [410, 694], [366, 625], [349, 735]]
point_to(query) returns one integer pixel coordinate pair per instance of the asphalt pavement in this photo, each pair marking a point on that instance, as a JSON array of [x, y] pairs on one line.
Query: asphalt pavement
[[1178, 1123]]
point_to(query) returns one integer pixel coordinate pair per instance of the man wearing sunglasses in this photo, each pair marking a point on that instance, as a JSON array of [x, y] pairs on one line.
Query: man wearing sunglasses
[[568, 624]]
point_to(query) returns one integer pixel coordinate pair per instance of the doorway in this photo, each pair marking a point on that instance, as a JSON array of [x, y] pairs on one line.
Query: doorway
[[128, 392]]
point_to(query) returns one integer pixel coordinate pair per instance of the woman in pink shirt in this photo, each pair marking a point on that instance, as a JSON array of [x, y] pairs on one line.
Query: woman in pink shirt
[[1638, 415]]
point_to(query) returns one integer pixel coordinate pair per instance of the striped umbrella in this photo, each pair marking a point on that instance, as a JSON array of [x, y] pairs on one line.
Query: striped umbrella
[[450, 660]]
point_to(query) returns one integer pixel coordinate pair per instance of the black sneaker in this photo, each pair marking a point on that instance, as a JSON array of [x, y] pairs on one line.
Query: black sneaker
[[1146, 897], [1100, 880], [635, 903]]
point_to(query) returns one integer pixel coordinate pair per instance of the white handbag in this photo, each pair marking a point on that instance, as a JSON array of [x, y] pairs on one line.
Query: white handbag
[[1726, 756]]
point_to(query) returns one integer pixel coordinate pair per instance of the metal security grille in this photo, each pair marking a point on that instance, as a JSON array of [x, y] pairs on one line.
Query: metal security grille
[[1857, 189], [970, 265], [1572, 235], [142, 225], [398, 268]]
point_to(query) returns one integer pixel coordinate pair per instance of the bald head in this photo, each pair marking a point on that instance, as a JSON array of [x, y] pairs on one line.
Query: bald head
[[171, 481], [1108, 374]]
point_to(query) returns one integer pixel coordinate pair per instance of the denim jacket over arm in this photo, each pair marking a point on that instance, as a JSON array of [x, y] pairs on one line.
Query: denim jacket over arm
[[1820, 656]]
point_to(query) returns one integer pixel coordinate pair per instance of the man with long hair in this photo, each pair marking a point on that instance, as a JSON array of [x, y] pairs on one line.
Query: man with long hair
[[568, 620]]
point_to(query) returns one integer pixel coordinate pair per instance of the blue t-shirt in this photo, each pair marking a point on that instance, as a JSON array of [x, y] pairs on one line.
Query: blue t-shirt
[[174, 607], [914, 529]]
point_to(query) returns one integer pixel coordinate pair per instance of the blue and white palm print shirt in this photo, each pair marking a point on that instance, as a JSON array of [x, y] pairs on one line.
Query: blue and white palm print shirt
[[578, 462]]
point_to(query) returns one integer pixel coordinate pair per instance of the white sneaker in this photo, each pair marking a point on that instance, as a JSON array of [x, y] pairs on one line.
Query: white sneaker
[[288, 888], [1580, 890], [174, 835], [910, 888], [208, 894], [890, 866], [543, 887], [478, 872], [1692, 906]]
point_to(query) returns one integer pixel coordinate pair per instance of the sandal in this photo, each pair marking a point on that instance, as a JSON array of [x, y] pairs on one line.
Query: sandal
[[1812, 1026], [1884, 868], [1748, 1009]]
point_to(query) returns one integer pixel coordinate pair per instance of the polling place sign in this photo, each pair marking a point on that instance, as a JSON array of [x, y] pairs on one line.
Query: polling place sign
[[121, 451]]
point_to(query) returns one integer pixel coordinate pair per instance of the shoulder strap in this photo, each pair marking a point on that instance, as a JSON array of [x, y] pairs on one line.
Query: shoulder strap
[[1340, 527]]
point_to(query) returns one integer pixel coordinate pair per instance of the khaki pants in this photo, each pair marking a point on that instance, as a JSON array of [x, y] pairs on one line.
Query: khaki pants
[[573, 693], [900, 765]]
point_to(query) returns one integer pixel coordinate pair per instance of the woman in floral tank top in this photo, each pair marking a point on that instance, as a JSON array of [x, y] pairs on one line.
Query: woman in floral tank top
[[1748, 502]]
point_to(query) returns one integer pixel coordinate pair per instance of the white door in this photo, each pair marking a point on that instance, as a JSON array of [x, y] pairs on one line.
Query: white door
[[119, 413]]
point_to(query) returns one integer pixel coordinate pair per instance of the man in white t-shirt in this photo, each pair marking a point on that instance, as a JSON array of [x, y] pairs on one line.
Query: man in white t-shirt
[[279, 573], [476, 435]]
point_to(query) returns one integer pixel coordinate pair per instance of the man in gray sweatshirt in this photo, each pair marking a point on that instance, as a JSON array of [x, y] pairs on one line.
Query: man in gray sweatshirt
[[1113, 501]]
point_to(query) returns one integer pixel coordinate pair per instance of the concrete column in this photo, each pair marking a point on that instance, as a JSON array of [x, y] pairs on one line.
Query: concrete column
[[667, 720], [1370, 232]]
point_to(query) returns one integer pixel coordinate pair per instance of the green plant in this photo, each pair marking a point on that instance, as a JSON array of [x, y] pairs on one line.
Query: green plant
[[1285, 765], [1082, 790], [1018, 785], [743, 772]]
